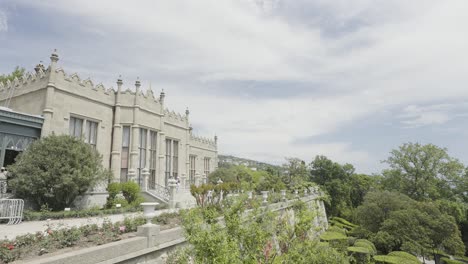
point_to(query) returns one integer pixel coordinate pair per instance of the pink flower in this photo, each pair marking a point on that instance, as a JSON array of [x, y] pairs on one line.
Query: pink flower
[[122, 228], [10, 247]]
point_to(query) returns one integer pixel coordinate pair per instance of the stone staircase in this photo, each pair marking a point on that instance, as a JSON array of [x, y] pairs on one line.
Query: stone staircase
[[161, 194]]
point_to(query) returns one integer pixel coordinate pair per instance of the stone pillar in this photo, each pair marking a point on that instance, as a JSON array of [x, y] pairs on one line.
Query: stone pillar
[[132, 170], [162, 159], [197, 179], [149, 230], [117, 136], [183, 181], [145, 175], [172, 192], [48, 111]]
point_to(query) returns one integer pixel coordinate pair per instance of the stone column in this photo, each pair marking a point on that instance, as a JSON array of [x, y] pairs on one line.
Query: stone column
[[172, 192], [132, 171], [48, 110], [145, 175], [197, 179], [117, 136], [162, 160]]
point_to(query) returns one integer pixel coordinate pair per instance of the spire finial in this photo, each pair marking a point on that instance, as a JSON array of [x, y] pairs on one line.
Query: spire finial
[[162, 95], [54, 56], [119, 83], [137, 83], [187, 112]]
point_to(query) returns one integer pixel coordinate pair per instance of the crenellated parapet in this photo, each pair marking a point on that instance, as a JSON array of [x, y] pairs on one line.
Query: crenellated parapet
[[73, 83], [174, 118], [28, 82], [203, 142]]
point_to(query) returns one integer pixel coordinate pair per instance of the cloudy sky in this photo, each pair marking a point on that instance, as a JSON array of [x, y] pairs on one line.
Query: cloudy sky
[[274, 78]]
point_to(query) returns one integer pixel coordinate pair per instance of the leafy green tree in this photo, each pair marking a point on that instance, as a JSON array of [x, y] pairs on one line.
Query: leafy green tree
[[423, 229], [423, 172], [377, 207], [297, 172], [335, 179], [360, 185], [54, 170], [396, 222], [17, 73]]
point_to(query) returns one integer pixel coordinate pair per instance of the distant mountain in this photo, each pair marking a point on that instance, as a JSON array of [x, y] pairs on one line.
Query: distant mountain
[[228, 160]]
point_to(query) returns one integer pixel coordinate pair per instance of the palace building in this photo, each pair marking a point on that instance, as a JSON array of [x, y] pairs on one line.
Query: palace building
[[139, 138]]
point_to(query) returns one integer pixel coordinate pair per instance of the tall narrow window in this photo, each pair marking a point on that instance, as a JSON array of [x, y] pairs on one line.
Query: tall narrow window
[[206, 162], [153, 158], [76, 127], [192, 169], [172, 159], [91, 133], [124, 153], [142, 148], [175, 160], [168, 159]]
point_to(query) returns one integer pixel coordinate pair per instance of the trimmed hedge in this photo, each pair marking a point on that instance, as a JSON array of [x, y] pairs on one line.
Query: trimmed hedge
[[343, 222], [450, 261], [337, 230], [382, 259], [327, 236], [366, 244], [403, 254], [362, 250]]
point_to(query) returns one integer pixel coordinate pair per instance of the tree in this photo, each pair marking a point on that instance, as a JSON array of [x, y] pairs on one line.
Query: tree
[[335, 179], [54, 170], [297, 172], [423, 172], [396, 222], [17, 73]]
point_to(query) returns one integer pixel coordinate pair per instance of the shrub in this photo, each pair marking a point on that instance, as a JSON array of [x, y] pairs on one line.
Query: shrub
[[113, 189], [131, 192], [446, 260], [403, 254], [55, 170], [366, 244], [381, 259], [360, 255]]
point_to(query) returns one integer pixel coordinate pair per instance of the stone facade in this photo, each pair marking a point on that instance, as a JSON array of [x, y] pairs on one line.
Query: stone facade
[[138, 137]]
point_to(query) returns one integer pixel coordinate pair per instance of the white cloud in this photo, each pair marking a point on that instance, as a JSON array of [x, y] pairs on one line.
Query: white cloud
[[417, 116], [3, 21]]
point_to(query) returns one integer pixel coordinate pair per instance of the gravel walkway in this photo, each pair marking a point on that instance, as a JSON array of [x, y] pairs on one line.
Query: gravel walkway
[[11, 231]]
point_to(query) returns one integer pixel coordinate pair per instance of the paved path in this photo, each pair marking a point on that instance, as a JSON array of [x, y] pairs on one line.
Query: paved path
[[11, 231]]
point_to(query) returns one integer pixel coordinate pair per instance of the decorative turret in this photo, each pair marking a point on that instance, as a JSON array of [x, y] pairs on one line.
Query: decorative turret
[[137, 90], [137, 85], [39, 67], [54, 56], [216, 140], [161, 97], [187, 112], [119, 84]]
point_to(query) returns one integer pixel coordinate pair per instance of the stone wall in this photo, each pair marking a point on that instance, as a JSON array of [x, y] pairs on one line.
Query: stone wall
[[152, 246]]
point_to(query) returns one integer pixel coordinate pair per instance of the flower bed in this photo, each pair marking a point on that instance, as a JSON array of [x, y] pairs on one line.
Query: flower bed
[[58, 238]]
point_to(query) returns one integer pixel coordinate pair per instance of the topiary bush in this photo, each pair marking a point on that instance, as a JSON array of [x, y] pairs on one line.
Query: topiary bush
[[54, 170], [445, 260], [366, 244], [359, 255], [403, 254]]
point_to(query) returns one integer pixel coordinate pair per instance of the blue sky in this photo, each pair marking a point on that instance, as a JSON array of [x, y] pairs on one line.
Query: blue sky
[[272, 78]]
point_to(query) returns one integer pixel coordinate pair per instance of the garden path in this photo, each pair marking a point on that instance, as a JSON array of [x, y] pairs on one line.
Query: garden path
[[11, 231]]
